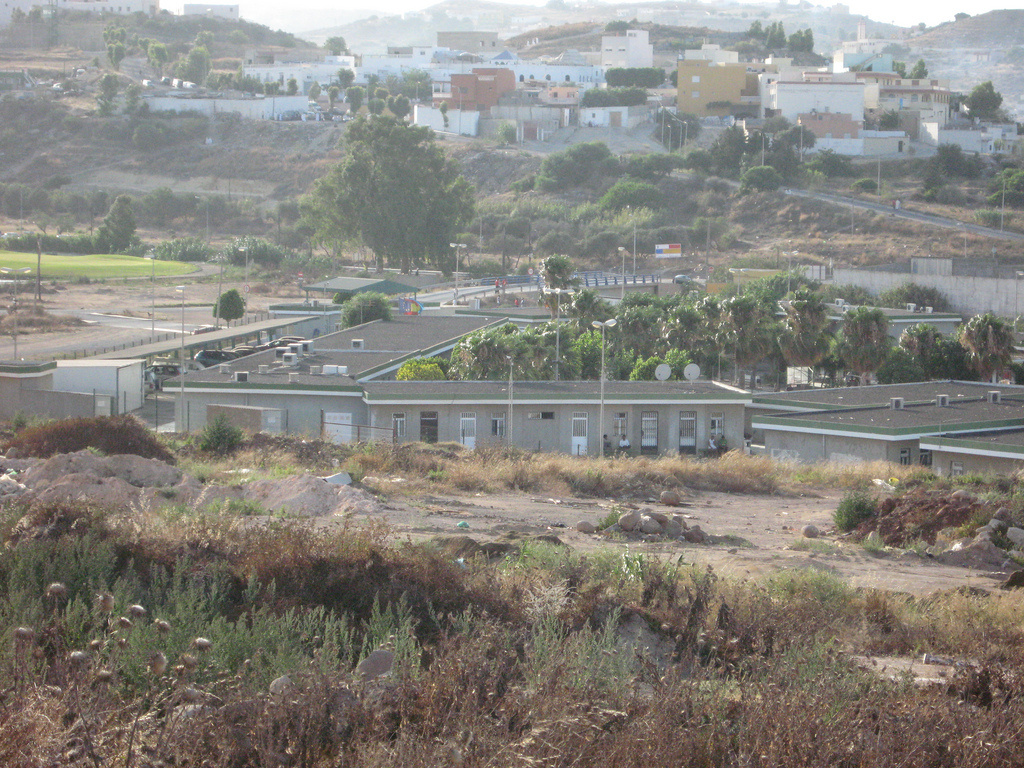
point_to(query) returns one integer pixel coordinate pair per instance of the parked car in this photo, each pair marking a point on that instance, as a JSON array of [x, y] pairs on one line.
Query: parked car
[[205, 329], [158, 373], [209, 357]]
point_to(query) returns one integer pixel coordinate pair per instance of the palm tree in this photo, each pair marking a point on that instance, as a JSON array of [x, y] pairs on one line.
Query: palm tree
[[752, 331], [919, 340], [989, 344], [587, 306], [865, 340], [805, 340], [558, 272]]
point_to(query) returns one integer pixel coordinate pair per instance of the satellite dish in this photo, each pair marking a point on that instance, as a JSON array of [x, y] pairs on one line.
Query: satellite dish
[[662, 372], [691, 372]]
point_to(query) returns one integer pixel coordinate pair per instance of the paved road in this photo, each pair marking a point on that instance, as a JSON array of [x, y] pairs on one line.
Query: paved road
[[903, 213]]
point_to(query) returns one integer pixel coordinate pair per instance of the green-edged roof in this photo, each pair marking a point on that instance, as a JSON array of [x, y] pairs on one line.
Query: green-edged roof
[[354, 285], [879, 394], [909, 422], [1005, 444], [552, 392]]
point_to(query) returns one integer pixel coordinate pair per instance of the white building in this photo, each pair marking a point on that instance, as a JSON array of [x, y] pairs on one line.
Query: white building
[[465, 122], [305, 72], [983, 139], [713, 53], [123, 7], [631, 50], [213, 11], [790, 98], [614, 117], [250, 107]]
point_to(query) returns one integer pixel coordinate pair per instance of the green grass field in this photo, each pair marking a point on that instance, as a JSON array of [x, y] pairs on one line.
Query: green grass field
[[97, 266]]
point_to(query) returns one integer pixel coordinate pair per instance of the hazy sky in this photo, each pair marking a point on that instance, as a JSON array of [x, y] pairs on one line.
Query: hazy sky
[[302, 12]]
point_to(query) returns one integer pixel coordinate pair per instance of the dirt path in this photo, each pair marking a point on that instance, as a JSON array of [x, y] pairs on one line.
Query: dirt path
[[753, 535]]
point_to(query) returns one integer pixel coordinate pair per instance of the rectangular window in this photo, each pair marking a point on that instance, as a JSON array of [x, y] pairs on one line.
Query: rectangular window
[[905, 456], [619, 424], [498, 424], [695, 79], [398, 424], [717, 426], [925, 457], [649, 432], [428, 426], [956, 468], [547, 415], [694, 94]]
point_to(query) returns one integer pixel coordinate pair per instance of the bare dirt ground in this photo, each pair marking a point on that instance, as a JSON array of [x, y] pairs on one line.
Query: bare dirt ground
[[751, 536]]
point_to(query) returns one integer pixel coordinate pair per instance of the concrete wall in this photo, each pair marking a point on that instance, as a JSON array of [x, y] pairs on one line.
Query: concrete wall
[[65, 405], [967, 295], [462, 122], [791, 99], [942, 463], [249, 418], [121, 380], [807, 447], [258, 108]]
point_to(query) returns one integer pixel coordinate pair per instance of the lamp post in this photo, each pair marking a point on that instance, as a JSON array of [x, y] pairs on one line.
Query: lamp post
[[152, 293], [508, 427], [559, 293], [622, 296], [14, 313], [456, 246], [245, 287], [600, 419], [1016, 298], [181, 356]]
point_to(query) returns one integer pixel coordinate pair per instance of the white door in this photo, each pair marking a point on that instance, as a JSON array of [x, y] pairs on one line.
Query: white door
[[579, 433], [467, 430], [338, 427]]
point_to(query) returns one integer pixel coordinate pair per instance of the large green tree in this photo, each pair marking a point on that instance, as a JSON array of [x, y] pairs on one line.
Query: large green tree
[[865, 343], [396, 191], [989, 344], [229, 306], [805, 338], [984, 101], [117, 232]]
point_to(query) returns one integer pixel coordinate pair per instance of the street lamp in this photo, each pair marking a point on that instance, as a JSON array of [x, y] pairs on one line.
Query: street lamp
[[456, 246], [622, 250], [600, 419], [14, 313], [152, 293], [1016, 298], [245, 287], [559, 293], [508, 427], [181, 355]]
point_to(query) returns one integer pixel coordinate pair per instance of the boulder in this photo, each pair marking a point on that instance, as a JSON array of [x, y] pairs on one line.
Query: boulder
[[659, 516], [1004, 514], [809, 531], [1016, 535], [695, 535], [670, 498], [585, 526], [681, 520], [378, 664], [962, 495], [1015, 581], [673, 529], [973, 554], [649, 525], [280, 687], [997, 526], [629, 521]]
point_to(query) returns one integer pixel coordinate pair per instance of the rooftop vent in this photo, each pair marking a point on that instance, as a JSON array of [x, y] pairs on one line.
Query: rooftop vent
[[295, 349], [290, 358], [911, 307], [995, 396], [293, 378], [929, 310], [315, 370], [357, 344], [224, 368], [242, 377], [307, 347], [330, 370], [942, 401], [263, 369], [840, 302], [279, 352], [896, 403]]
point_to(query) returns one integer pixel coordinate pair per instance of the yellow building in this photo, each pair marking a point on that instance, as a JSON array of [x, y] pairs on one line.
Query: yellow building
[[705, 89]]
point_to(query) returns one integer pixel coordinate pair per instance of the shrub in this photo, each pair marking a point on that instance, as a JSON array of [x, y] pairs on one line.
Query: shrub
[[854, 508], [633, 194], [864, 185], [992, 218], [220, 436], [762, 178], [183, 249], [108, 434]]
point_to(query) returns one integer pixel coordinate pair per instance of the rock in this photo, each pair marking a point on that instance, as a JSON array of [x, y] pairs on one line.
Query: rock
[[973, 554], [649, 525], [997, 526], [946, 537], [681, 520], [962, 495], [462, 524], [672, 529], [670, 498], [378, 664], [1016, 535], [695, 535], [629, 521], [1004, 514], [585, 526], [659, 516], [133, 470], [310, 496], [809, 531], [1015, 581], [280, 687]]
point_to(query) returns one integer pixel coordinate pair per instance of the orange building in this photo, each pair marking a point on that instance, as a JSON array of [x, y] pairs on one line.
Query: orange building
[[479, 90]]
